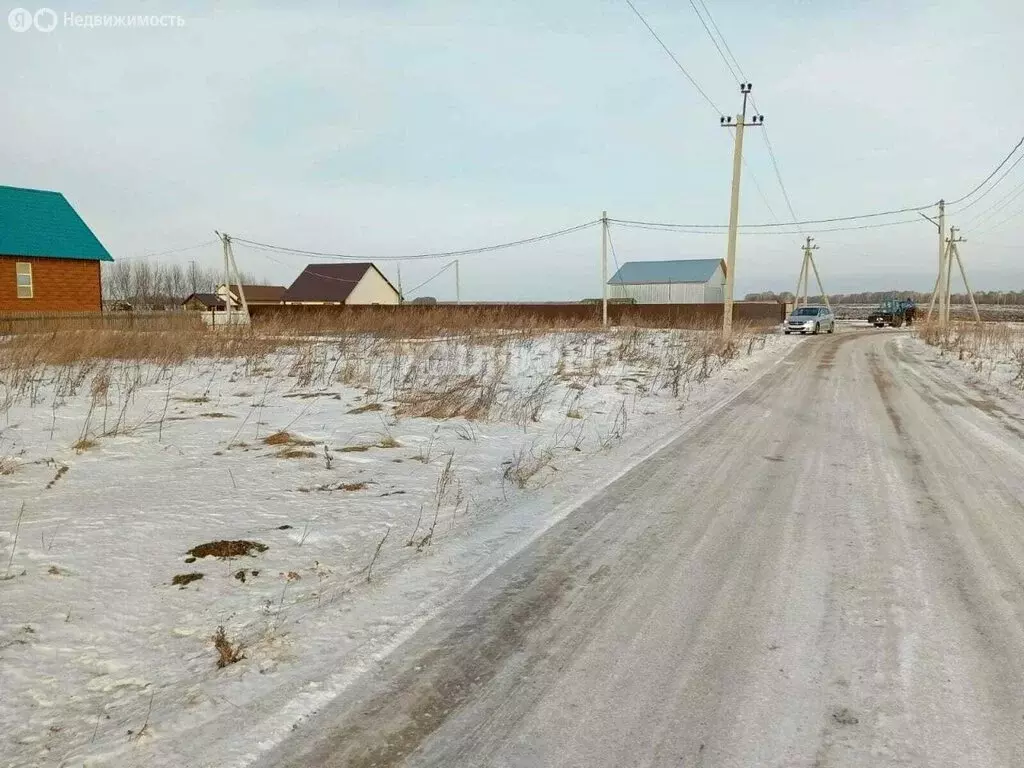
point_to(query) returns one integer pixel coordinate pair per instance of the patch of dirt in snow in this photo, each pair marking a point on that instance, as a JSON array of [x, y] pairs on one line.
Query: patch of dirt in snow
[[227, 549]]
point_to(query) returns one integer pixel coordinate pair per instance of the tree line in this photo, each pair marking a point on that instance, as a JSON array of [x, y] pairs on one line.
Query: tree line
[[156, 285], [1010, 298]]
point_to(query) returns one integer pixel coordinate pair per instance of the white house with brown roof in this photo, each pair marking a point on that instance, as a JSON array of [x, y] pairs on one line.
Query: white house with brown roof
[[341, 284]]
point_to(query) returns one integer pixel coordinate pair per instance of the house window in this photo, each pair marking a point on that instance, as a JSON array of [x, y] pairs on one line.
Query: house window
[[23, 269]]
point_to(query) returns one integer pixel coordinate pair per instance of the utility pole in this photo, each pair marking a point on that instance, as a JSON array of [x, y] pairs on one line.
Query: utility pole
[[227, 279], [938, 299], [954, 252], [734, 208], [805, 275], [943, 268], [458, 290], [229, 267], [604, 268], [401, 297]]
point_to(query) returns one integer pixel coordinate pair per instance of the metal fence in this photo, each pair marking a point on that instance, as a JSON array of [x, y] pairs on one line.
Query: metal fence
[[53, 322]]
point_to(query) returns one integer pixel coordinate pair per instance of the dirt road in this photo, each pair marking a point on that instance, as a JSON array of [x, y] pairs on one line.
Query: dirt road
[[829, 572]]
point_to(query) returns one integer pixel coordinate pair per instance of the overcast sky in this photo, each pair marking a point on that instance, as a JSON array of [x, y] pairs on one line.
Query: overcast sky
[[384, 128]]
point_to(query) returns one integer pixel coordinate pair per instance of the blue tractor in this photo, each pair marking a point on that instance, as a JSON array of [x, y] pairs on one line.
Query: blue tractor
[[892, 312]]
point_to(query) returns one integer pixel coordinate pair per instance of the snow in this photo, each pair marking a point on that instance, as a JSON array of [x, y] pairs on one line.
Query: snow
[[378, 520], [988, 358]]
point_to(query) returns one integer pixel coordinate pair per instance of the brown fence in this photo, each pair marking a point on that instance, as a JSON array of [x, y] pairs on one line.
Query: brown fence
[[27, 322], [422, 316], [759, 314]]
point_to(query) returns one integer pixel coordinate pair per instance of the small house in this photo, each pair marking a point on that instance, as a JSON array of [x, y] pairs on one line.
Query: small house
[[683, 281], [49, 258], [255, 295], [341, 284], [203, 302]]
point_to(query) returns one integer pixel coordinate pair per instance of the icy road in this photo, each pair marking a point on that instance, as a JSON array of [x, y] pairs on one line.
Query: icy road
[[828, 572]]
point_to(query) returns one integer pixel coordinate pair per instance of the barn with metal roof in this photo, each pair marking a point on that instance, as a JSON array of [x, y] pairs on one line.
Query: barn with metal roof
[[680, 281]]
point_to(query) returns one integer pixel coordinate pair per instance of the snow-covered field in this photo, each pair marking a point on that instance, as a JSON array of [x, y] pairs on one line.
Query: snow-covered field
[[375, 480]]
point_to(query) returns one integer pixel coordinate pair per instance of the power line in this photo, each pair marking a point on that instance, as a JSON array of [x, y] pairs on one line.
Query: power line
[[418, 256], [614, 255], [989, 177], [996, 207], [711, 18], [1000, 223], [694, 83], [718, 48], [171, 251], [833, 220], [995, 184], [437, 274], [737, 73], [700, 229], [672, 56]]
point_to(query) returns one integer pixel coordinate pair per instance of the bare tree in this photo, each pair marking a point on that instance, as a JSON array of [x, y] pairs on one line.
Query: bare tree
[[143, 283]]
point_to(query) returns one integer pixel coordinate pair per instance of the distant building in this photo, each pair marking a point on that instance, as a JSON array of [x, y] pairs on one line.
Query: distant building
[[684, 281], [256, 295], [347, 284], [49, 258], [204, 302]]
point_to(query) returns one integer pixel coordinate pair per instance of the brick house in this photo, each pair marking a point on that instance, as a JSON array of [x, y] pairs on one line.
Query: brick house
[[49, 258]]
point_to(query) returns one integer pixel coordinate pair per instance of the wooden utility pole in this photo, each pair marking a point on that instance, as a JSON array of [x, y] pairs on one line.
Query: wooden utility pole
[[458, 287], [734, 206]]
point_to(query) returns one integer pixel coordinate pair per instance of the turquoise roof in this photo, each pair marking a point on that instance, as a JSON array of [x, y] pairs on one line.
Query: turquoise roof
[[34, 222], [679, 271]]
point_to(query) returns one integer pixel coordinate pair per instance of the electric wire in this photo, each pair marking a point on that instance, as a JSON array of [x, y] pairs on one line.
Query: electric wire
[[203, 244], [672, 56], [984, 194], [724, 41], [718, 48], [982, 229], [989, 177], [413, 257], [737, 73], [436, 275], [999, 205], [697, 229]]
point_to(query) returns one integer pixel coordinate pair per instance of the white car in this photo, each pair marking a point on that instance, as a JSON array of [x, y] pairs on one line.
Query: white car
[[810, 319]]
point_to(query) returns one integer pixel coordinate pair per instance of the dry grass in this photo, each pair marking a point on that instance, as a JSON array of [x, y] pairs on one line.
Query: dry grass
[[367, 408], [286, 438], [295, 453], [84, 444], [982, 346], [227, 652]]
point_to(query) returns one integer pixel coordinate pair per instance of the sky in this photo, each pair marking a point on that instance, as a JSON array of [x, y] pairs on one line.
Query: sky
[[385, 128]]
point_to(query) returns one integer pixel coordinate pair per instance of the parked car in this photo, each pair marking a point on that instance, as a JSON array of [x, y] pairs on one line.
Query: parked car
[[810, 319]]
